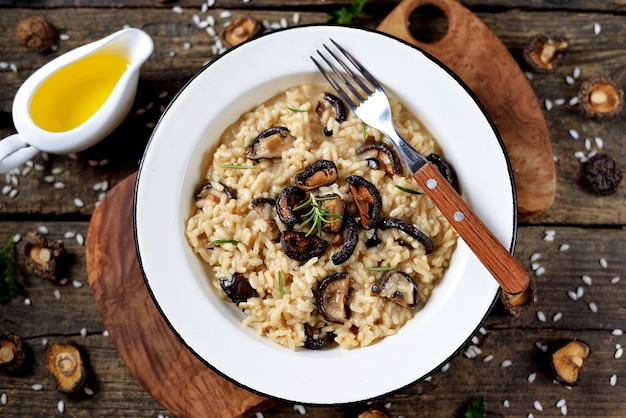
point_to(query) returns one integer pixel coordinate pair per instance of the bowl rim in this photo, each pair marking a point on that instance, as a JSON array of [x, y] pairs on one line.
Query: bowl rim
[[227, 53]]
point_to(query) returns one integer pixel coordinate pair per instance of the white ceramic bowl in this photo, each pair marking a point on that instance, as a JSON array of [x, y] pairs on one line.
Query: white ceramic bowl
[[172, 169]]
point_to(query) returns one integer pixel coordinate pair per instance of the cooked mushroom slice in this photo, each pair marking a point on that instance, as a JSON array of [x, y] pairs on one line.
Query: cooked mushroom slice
[[367, 199], [374, 240], [43, 256], [333, 208], [66, 366], [339, 107], [204, 190], [567, 361], [270, 143], [387, 156], [12, 352], [300, 247], [320, 173], [332, 297], [349, 243], [239, 30], [398, 287], [600, 97], [408, 229], [445, 169], [317, 339], [288, 199], [238, 288], [229, 191], [544, 54]]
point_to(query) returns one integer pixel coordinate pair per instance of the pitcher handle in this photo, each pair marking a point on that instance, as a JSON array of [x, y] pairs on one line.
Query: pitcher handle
[[14, 152]]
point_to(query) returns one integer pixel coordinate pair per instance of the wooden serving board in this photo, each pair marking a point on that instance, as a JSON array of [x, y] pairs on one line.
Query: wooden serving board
[[478, 57], [156, 357]]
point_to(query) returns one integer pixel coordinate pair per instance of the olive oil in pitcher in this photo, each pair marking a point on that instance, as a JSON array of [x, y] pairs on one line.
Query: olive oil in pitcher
[[70, 96]]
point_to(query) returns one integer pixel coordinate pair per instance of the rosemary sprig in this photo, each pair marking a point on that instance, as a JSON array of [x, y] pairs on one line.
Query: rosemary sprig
[[224, 241], [382, 268], [317, 215], [237, 166], [281, 284], [406, 189]]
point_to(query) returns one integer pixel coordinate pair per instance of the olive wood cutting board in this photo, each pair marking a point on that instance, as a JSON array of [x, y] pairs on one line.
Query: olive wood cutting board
[[159, 360], [478, 57], [171, 373]]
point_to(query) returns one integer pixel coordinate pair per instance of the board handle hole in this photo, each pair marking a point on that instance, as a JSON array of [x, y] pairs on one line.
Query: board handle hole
[[428, 23]]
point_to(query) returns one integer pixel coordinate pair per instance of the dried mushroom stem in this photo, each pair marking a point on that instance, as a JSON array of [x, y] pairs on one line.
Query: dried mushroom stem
[[544, 54], [600, 97]]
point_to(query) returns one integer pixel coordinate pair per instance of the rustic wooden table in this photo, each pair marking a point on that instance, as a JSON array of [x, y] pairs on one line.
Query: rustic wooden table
[[576, 248]]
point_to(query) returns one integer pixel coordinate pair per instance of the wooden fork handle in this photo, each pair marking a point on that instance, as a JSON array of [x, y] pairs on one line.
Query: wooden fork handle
[[509, 274]]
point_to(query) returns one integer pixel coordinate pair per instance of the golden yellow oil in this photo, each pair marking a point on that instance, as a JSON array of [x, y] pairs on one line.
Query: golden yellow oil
[[71, 95]]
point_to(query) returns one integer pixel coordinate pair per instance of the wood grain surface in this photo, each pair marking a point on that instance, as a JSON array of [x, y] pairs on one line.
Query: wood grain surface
[[152, 352]]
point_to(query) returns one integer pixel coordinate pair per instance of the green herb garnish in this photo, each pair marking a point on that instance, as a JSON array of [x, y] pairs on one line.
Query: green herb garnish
[[8, 287], [237, 166], [224, 241], [293, 109], [382, 268], [344, 15], [364, 130], [317, 215], [406, 189], [477, 409], [281, 285]]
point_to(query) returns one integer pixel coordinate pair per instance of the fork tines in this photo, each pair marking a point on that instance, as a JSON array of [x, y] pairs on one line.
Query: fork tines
[[358, 96]]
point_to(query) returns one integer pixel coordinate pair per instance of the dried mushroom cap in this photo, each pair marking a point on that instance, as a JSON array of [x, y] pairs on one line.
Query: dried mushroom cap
[[375, 412], [332, 297], [334, 208], [567, 361], [398, 287], [66, 366], [518, 304], [43, 256], [602, 175], [544, 54], [320, 173], [317, 339], [240, 30], [12, 352], [600, 97], [238, 288], [270, 143], [288, 199], [387, 159], [349, 244], [410, 230], [338, 107], [36, 33]]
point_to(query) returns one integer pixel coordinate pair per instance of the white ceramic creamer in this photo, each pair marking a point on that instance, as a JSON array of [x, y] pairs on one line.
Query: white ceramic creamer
[[77, 99]]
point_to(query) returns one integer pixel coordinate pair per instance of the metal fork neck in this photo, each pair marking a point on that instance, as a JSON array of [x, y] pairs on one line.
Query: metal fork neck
[[413, 159]]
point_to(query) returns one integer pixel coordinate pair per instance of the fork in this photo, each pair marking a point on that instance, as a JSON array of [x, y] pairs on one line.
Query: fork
[[366, 98]]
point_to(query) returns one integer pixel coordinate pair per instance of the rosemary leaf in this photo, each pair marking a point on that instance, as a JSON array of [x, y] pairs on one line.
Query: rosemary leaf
[[406, 189], [224, 241], [382, 268], [296, 110], [281, 285], [237, 166]]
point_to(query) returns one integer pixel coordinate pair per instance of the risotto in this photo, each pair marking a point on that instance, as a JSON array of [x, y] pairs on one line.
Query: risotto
[[311, 227]]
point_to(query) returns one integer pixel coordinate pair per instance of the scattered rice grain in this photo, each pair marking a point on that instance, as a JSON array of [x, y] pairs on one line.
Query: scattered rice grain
[[17, 238], [83, 332], [593, 307], [88, 391], [63, 281], [538, 406], [557, 317], [572, 295], [564, 410], [576, 72], [259, 415], [580, 292], [535, 266], [619, 353], [177, 9], [587, 280], [295, 18], [560, 403], [573, 101], [13, 193], [548, 104], [69, 235], [588, 144], [569, 80], [532, 377], [6, 189], [80, 239], [37, 386], [542, 347], [506, 404], [92, 163], [488, 358], [27, 302], [541, 316], [57, 294], [559, 102], [506, 363], [482, 331], [56, 171], [3, 399], [61, 406], [77, 284], [445, 367], [529, 75], [574, 133], [564, 247], [43, 229], [225, 14], [79, 203], [540, 271], [535, 256], [300, 409], [105, 333], [613, 380], [617, 331], [59, 185], [615, 279], [597, 28], [603, 263]]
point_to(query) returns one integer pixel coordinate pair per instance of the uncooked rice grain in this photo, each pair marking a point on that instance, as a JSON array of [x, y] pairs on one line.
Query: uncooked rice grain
[[283, 319]]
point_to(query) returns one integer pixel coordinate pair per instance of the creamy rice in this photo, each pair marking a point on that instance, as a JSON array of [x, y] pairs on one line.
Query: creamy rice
[[260, 259]]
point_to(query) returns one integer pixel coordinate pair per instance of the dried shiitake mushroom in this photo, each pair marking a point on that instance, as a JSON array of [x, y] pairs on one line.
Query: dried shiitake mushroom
[[601, 174], [239, 30], [12, 352], [66, 366], [375, 412], [36, 33], [43, 256], [600, 97], [568, 359], [518, 304], [544, 54]]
